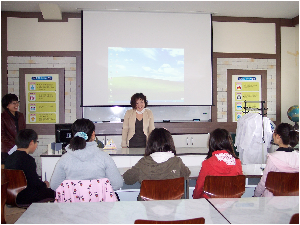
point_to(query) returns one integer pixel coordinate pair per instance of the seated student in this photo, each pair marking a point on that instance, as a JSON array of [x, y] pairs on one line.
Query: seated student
[[220, 160], [36, 189], [84, 160], [284, 159], [160, 161]]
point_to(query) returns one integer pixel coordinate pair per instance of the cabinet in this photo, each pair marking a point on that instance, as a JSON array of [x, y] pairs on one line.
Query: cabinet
[[180, 140], [190, 140]]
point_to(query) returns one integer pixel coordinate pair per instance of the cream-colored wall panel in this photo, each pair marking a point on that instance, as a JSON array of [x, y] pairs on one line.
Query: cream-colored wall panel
[[240, 37], [289, 70], [27, 34]]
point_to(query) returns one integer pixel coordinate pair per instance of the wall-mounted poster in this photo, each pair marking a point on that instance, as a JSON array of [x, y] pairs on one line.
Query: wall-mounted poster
[[245, 88], [42, 98]]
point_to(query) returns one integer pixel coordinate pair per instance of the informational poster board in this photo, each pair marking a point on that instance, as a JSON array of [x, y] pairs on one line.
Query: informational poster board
[[42, 98], [245, 88]]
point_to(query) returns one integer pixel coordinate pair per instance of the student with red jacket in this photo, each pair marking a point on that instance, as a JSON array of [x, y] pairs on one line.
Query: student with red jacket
[[220, 161]]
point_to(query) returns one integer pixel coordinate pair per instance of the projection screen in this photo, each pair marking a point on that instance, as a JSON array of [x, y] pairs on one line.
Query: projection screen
[[166, 56]]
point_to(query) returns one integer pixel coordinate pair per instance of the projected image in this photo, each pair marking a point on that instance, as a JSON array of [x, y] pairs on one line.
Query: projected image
[[156, 72]]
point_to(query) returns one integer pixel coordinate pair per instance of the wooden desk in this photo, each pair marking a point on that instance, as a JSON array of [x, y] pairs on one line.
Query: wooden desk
[[125, 212], [263, 210]]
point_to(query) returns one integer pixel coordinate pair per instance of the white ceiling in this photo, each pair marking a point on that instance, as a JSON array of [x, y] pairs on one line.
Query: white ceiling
[[266, 9]]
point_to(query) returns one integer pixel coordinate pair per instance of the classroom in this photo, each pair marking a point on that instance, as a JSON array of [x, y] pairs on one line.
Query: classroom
[[257, 40]]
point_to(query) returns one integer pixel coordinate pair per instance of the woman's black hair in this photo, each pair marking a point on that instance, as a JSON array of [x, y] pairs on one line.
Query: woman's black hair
[[287, 134], [160, 140], [7, 99], [81, 125], [136, 97], [24, 137], [220, 139]]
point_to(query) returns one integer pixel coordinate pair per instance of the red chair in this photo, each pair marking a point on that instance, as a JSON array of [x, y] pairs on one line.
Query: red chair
[[283, 184], [199, 220], [170, 189], [224, 186], [16, 183], [295, 219]]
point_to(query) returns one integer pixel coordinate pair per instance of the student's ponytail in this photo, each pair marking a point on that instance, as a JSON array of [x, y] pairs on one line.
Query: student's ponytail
[[77, 142], [287, 134], [82, 130]]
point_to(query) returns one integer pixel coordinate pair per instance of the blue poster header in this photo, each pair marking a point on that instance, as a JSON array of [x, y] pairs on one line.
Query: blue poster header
[[42, 78], [246, 78]]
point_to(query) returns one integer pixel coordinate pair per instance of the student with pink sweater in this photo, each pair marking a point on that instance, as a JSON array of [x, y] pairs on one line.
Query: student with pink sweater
[[284, 159]]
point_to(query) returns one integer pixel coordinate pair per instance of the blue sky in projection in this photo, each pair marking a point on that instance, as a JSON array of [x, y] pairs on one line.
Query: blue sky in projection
[[155, 63]]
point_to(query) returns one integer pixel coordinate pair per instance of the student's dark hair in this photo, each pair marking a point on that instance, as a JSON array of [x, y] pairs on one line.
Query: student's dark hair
[[81, 125], [287, 134], [220, 139], [160, 140], [7, 99], [136, 97], [24, 137]]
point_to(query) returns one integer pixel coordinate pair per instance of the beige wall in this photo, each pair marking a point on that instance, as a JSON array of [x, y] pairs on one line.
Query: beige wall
[[289, 70], [240, 37], [27, 34]]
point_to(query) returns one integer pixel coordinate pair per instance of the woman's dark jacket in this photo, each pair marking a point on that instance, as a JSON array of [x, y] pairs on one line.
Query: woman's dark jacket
[[9, 129]]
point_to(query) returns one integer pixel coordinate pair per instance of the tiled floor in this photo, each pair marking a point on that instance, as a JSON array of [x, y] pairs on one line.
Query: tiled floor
[[12, 214]]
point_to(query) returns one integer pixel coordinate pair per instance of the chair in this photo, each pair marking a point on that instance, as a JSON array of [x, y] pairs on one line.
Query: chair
[[16, 183], [199, 220], [170, 189], [99, 190], [283, 184], [295, 219], [224, 186]]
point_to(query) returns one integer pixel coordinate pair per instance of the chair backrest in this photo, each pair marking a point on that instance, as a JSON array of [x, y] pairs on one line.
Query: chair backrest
[[224, 186], [170, 189], [283, 184], [99, 190], [295, 219], [199, 220], [16, 182]]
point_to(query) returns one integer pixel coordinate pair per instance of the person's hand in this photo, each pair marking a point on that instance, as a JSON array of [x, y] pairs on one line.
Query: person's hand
[[47, 183]]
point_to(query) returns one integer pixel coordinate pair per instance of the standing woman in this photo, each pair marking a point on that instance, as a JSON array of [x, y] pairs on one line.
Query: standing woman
[[284, 159], [138, 123], [11, 122]]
